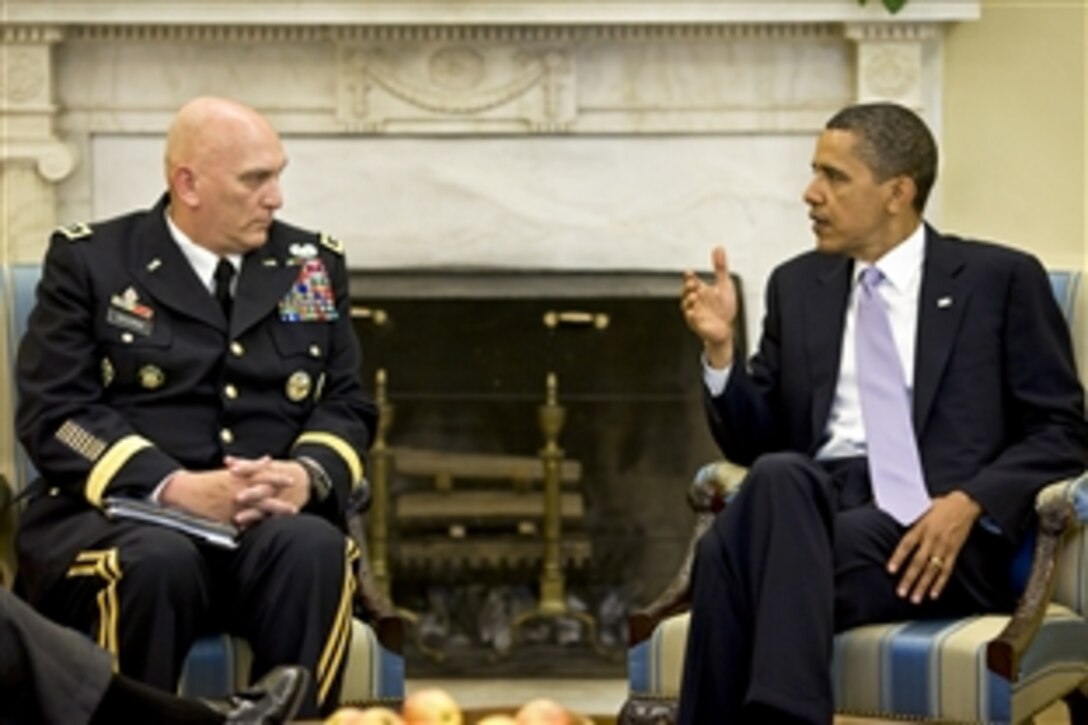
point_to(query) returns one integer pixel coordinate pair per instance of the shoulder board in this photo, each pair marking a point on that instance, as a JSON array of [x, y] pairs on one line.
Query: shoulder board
[[333, 245], [75, 232]]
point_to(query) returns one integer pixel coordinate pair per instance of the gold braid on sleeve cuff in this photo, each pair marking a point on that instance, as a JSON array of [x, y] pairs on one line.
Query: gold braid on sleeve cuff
[[341, 447], [110, 463]]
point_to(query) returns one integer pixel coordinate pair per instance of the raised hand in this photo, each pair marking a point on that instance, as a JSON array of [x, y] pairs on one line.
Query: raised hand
[[711, 310]]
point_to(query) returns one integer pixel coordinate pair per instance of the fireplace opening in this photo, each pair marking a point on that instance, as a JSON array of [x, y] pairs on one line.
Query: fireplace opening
[[467, 356]]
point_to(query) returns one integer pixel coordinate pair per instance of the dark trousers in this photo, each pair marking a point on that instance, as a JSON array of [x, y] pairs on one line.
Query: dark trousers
[[48, 674], [145, 593], [798, 555]]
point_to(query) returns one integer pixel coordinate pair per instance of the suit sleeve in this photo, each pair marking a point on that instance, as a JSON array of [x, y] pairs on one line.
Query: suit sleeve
[[1047, 438], [744, 418], [77, 441]]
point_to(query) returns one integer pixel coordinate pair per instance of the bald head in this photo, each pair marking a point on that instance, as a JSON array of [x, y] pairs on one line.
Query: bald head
[[207, 126], [223, 161]]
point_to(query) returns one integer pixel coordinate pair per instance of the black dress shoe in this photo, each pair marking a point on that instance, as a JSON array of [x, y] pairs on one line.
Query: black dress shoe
[[273, 699]]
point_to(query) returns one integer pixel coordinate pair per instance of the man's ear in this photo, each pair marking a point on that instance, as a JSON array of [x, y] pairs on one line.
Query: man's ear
[[903, 192], [183, 186]]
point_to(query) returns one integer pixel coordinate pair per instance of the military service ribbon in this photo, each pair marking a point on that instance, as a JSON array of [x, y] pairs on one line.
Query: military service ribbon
[[311, 297]]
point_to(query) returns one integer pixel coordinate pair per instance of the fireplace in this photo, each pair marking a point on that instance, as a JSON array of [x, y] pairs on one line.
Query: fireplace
[[465, 356]]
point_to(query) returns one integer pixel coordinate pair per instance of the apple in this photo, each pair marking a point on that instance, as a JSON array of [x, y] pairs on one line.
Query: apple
[[379, 716], [543, 711], [345, 716], [369, 716], [431, 706], [497, 720]]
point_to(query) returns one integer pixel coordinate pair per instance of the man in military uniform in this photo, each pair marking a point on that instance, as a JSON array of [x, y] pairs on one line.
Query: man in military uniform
[[198, 356]]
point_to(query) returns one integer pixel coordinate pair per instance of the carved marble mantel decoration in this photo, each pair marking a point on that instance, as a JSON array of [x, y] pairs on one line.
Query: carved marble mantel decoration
[[87, 88], [616, 134], [618, 79]]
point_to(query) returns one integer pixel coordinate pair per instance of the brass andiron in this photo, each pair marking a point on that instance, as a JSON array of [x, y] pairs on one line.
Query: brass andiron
[[381, 464], [553, 602], [552, 417], [379, 503]]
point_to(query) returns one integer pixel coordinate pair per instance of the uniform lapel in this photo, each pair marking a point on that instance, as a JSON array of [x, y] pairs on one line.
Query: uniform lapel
[[941, 304], [825, 315], [166, 274], [267, 275]]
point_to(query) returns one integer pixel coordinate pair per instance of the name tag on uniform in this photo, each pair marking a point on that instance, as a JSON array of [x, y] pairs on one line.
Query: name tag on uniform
[[128, 313]]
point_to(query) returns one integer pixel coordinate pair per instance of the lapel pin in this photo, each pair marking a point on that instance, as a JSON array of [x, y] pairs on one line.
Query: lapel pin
[[154, 264], [944, 302]]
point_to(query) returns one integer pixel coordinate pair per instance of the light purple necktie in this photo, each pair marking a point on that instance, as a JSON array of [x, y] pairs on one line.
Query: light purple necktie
[[894, 467]]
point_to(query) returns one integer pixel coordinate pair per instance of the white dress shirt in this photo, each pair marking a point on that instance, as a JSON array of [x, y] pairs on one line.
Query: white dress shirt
[[202, 260]]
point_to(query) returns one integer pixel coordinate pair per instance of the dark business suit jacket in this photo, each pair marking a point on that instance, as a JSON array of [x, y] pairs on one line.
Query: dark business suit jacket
[[998, 410], [51, 674]]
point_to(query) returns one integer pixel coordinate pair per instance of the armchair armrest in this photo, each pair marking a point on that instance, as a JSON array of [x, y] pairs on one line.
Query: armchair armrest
[[1057, 516], [708, 493]]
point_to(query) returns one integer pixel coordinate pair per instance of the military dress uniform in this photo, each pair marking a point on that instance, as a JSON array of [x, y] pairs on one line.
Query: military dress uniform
[[131, 371]]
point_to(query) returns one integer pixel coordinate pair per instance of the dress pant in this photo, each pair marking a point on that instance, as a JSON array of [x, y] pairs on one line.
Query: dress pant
[[48, 674], [145, 593], [797, 555]]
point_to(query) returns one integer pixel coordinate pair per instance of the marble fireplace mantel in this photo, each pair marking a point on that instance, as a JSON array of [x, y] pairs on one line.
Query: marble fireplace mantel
[[562, 135], [479, 12]]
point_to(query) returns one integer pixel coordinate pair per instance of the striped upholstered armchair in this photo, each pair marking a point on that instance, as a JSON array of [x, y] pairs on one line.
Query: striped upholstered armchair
[[987, 668]]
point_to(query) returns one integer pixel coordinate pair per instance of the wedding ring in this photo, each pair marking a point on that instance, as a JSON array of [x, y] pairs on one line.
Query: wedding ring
[[937, 562]]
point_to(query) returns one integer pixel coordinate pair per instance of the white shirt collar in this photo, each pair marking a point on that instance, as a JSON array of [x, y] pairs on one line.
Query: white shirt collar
[[902, 264], [203, 261]]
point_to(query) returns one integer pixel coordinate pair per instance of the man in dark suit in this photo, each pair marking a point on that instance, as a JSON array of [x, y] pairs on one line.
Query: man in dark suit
[[992, 410], [50, 675], [198, 355]]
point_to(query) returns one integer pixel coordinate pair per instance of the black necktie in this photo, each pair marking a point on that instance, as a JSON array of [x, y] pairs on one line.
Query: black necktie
[[224, 273]]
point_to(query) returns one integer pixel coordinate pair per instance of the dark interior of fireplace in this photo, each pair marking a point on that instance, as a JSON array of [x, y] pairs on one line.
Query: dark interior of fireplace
[[466, 356]]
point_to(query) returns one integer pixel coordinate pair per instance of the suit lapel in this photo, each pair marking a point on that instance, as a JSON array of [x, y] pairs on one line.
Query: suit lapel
[[941, 304], [825, 315]]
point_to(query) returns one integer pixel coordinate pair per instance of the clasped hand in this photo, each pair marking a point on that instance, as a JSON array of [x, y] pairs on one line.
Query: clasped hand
[[243, 492]]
